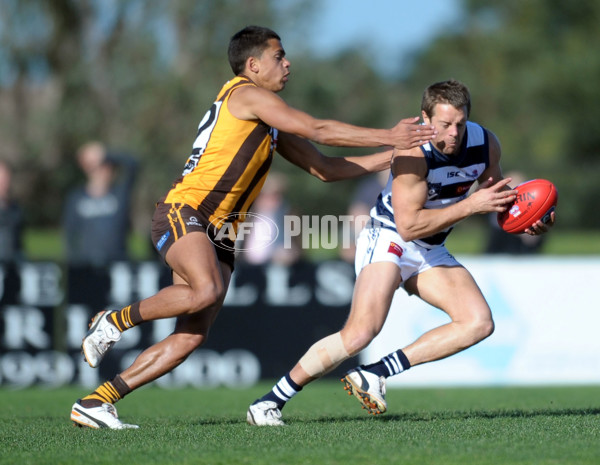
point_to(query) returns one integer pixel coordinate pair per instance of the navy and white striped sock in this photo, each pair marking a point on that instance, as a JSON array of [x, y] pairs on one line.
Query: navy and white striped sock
[[282, 392], [390, 365]]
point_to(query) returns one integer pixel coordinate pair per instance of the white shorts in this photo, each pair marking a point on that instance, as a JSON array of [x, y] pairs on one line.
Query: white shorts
[[376, 244]]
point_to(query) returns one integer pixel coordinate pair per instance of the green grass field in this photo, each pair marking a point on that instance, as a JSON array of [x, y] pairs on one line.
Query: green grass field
[[559, 425]]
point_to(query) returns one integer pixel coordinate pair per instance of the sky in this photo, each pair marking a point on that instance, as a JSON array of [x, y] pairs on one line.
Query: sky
[[391, 28]]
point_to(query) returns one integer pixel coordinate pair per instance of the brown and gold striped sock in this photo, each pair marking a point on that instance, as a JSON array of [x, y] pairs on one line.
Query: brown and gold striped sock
[[111, 392], [127, 317]]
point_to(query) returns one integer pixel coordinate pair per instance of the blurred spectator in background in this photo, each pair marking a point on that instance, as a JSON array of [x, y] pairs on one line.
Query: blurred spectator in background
[[500, 242], [363, 199], [96, 215], [264, 243], [11, 218]]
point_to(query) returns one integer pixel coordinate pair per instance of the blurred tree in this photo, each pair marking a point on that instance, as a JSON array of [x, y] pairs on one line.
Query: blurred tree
[[533, 69], [136, 74], [139, 75]]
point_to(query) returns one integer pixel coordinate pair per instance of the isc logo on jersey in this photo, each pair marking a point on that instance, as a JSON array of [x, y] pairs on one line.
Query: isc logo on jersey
[[461, 174], [455, 174]]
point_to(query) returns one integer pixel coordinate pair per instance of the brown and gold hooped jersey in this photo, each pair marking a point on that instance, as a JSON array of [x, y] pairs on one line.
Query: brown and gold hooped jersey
[[229, 163]]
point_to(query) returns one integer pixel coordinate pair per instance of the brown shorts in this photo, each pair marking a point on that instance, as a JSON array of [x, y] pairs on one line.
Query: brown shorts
[[172, 221]]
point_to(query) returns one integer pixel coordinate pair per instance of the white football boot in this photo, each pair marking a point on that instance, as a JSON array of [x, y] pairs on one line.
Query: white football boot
[[100, 338], [265, 413], [104, 416], [368, 388]]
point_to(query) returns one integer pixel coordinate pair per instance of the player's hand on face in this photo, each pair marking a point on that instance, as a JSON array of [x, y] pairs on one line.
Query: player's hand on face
[[409, 133], [539, 227]]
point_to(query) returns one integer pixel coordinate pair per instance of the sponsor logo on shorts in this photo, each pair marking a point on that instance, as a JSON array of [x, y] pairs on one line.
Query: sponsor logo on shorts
[[162, 240], [193, 221], [395, 249]]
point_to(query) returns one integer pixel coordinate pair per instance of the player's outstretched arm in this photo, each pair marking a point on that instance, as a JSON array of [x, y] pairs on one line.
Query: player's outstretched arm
[[256, 103], [305, 155]]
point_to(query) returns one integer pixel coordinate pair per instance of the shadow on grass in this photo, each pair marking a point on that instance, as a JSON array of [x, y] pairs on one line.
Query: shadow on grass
[[462, 415], [413, 416]]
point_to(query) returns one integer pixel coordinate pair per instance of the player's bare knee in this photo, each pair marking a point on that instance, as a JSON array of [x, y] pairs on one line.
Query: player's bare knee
[[488, 327], [195, 341], [482, 328], [208, 296], [356, 341]]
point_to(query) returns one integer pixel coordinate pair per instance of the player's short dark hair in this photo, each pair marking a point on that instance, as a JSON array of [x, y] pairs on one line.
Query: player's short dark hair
[[452, 92], [249, 42]]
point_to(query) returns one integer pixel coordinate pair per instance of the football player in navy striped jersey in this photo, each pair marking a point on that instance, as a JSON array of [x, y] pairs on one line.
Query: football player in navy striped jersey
[[403, 246]]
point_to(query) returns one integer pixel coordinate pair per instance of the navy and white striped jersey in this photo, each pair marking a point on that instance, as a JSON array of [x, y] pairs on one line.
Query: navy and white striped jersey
[[449, 179]]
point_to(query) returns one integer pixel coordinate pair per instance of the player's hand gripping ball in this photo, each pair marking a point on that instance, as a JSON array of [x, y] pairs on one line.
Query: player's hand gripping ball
[[536, 199]]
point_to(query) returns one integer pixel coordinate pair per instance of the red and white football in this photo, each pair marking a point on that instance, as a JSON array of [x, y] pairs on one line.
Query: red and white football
[[536, 199]]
